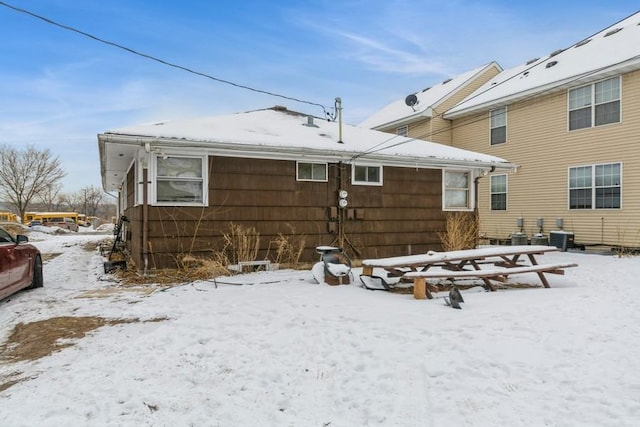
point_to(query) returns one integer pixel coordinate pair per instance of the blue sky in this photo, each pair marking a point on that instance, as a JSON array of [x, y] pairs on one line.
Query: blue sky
[[59, 89]]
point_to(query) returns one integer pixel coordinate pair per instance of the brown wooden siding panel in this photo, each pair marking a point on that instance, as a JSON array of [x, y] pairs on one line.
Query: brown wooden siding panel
[[401, 216]]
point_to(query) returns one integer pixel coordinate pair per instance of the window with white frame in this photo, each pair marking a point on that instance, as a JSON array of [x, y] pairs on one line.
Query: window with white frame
[[499, 126], [311, 171], [498, 192], [366, 175], [457, 190], [402, 130], [595, 186], [596, 104], [180, 180]]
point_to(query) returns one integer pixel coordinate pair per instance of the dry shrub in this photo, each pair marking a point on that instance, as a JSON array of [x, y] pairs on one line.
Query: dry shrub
[[241, 243], [289, 248], [193, 268], [461, 231]]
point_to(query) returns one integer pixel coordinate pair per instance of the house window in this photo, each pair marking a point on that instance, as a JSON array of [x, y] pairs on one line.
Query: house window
[[499, 126], [595, 186], [402, 130], [499, 192], [457, 190], [180, 180], [595, 104], [312, 172], [366, 175]]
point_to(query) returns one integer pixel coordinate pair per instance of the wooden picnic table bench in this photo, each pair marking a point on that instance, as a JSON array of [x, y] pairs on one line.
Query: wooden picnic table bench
[[419, 277], [466, 264]]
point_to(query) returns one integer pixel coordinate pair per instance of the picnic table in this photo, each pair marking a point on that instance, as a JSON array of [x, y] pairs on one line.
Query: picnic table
[[466, 264]]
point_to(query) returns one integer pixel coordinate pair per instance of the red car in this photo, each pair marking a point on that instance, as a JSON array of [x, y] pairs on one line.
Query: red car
[[20, 264]]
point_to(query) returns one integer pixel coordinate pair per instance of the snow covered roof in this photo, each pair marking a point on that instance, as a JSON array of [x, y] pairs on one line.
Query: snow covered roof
[[399, 112], [279, 134], [611, 51]]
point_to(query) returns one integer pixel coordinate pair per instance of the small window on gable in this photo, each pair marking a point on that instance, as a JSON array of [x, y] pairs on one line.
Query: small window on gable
[[366, 175], [498, 192], [456, 190], [402, 130], [311, 172], [180, 180], [499, 126]]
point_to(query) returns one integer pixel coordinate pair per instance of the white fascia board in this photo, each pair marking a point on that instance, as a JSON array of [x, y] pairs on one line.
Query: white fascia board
[[427, 113]]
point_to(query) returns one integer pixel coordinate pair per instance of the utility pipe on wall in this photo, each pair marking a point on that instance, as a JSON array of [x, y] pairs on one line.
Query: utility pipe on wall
[[145, 220]]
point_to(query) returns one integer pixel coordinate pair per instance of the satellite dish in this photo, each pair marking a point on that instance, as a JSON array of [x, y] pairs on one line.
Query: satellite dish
[[411, 100]]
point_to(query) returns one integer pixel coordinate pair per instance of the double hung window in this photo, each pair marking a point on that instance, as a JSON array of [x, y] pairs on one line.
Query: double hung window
[[180, 180], [499, 192], [595, 104], [499, 126], [457, 190], [595, 186]]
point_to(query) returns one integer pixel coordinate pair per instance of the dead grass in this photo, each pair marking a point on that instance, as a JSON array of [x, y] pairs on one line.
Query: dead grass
[[289, 248], [49, 256], [34, 340], [14, 228], [241, 243]]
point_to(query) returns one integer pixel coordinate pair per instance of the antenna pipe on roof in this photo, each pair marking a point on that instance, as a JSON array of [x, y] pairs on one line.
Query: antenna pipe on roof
[[339, 110]]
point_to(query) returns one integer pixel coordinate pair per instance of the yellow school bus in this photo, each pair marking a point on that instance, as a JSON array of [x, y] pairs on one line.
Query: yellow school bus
[[8, 217], [49, 216]]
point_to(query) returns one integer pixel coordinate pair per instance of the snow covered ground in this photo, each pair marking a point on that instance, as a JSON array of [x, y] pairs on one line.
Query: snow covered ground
[[285, 351]]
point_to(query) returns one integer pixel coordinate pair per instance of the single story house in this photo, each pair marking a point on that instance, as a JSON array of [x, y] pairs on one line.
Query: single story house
[[182, 183]]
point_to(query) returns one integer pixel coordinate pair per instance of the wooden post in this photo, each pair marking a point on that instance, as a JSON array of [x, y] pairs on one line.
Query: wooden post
[[419, 288]]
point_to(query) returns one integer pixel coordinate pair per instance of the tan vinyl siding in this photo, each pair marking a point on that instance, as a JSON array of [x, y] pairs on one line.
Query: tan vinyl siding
[[539, 141], [437, 129]]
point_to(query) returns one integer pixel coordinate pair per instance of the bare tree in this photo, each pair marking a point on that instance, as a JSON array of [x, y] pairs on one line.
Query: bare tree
[[73, 201], [24, 173], [92, 197], [49, 196], [85, 200]]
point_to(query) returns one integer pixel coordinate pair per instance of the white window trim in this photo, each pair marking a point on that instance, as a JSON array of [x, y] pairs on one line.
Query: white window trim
[[326, 171], [471, 191], [353, 175], [593, 187], [593, 105], [153, 180], [506, 192]]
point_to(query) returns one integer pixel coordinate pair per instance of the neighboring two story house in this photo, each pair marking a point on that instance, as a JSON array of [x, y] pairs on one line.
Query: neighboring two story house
[[571, 122]]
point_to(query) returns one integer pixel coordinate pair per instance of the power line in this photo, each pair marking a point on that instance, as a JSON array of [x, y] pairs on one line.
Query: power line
[[162, 61]]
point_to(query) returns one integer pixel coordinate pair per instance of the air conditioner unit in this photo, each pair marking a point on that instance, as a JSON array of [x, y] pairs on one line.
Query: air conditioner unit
[[561, 239]]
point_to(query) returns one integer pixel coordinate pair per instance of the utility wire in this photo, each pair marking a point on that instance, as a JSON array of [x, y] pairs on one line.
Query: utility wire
[[162, 61]]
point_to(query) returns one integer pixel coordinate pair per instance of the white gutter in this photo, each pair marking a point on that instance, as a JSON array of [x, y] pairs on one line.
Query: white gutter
[[230, 149]]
